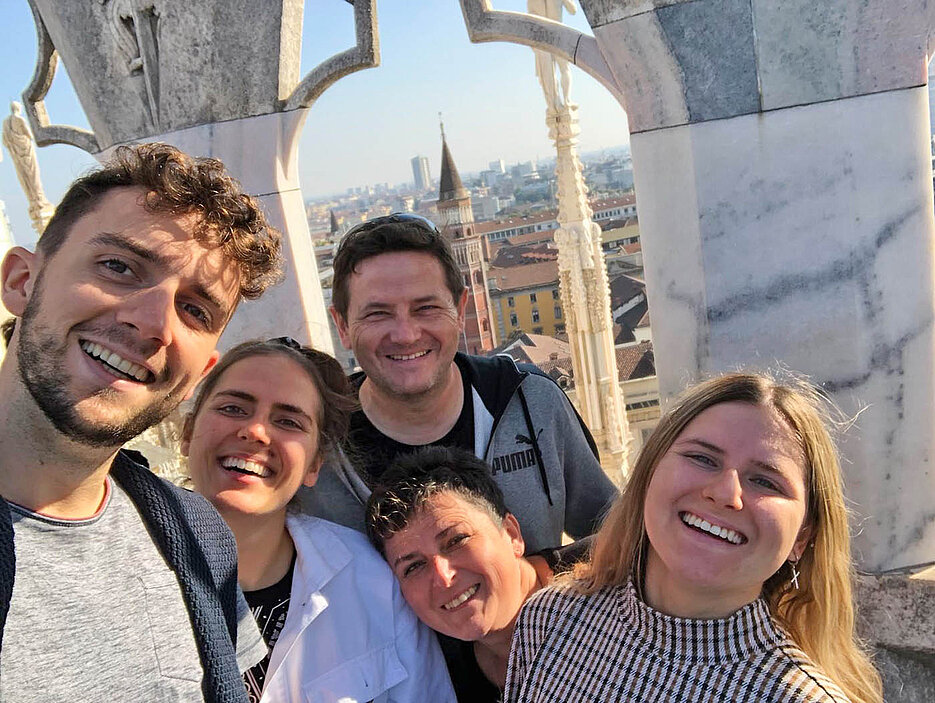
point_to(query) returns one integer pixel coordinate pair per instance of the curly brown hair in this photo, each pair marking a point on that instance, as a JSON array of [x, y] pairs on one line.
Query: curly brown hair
[[178, 184]]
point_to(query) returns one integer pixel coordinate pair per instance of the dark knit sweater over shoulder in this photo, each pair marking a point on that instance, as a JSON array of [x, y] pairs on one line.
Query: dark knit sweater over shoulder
[[198, 546]]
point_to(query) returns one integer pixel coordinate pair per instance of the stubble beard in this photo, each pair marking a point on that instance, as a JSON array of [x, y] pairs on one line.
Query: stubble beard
[[41, 363], [387, 387]]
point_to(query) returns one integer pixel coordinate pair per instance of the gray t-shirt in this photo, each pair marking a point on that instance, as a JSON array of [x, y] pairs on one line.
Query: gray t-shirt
[[97, 615]]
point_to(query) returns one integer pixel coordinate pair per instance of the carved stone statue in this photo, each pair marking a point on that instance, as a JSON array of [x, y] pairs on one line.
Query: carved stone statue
[[547, 65], [17, 138]]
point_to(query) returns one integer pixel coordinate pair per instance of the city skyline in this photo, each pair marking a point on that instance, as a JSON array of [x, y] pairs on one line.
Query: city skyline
[[365, 128]]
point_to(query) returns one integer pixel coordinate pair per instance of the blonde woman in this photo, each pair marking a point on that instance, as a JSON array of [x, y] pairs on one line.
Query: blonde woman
[[722, 573]]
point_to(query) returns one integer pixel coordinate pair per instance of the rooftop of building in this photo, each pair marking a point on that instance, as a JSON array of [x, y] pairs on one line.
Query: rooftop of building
[[549, 215], [507, 256], [514, 278], [553, 356]]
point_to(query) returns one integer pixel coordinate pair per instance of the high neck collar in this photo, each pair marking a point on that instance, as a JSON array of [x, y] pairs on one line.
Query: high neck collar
[[747, 632]]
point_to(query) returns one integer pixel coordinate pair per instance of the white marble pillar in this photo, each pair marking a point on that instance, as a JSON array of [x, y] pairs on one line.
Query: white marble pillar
[[785, 189], [582, 272], [782, 165], [586, 299], [777, 244], [262, 153], [215, 78]]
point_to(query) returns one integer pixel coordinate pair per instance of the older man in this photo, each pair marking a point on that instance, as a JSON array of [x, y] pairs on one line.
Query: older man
[[399, 302], [115, 586]]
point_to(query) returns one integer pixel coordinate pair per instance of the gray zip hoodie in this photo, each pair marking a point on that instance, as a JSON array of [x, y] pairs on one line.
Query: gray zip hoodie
[[540, 453]]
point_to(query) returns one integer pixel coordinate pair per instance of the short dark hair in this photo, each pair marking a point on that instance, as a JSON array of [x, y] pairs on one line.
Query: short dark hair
[[412, 479], [390, 233], [178, 184], [337, 402]]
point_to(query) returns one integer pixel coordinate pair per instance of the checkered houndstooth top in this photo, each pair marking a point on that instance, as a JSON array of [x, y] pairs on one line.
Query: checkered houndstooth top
[[611, 646]]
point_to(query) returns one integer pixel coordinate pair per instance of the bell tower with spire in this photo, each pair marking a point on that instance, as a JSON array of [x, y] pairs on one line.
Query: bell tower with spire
[[456, 221]]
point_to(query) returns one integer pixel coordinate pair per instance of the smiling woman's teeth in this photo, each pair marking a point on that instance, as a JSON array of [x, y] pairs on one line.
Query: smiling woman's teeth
[[114, 361], [455, 602], [722, 532], [244, 466]]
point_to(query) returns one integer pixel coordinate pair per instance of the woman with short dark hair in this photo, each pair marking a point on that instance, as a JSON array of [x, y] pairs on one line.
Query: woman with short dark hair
[[440, 520]]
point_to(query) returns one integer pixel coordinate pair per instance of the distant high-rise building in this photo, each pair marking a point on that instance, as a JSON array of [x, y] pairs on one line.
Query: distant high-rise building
[[420, 173], [497, 166], [456, 221]]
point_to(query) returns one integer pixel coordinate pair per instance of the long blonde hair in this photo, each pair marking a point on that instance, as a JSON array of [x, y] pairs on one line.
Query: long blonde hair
[[819, 615]]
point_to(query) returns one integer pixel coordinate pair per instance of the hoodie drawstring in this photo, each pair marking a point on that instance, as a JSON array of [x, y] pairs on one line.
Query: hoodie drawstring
[[535, 445]]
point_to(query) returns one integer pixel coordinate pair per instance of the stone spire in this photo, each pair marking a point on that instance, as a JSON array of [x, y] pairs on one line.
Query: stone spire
[[456, 222], [582, 272], [450, 186]]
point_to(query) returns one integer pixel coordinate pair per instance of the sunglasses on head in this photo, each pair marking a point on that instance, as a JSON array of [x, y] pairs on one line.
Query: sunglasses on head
[[319, 357], [394, 218], [327, 365]]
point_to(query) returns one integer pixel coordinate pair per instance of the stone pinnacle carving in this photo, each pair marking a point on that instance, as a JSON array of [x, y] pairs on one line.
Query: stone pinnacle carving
[[17, 138], [583, 277]]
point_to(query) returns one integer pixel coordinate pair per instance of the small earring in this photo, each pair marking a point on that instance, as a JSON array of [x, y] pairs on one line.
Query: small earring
[[795, 574]]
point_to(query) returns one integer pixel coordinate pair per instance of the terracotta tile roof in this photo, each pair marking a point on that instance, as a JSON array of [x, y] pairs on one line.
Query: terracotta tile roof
[[525, 276], [628, 199], [633, 248], [619, 223], [531, 239], [534, 219], [535, 349], [635, 361], [548, 215], [507, 256]]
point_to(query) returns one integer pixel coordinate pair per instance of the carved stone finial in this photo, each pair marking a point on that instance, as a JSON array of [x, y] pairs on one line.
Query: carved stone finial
[[18, 140], [547, 64]]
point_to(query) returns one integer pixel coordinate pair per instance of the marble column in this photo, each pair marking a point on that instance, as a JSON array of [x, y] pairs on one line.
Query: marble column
[[216, 78], [782, 165], [585, 294]]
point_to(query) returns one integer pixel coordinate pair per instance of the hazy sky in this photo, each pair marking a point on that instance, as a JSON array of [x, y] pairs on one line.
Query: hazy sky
[[366, 127]]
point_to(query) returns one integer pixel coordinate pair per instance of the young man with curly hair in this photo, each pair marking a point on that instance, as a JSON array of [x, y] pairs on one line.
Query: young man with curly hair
[[113, 584]]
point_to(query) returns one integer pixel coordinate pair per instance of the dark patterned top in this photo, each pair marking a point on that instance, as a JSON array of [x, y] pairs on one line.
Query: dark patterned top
[[611, 646], [269, 606]]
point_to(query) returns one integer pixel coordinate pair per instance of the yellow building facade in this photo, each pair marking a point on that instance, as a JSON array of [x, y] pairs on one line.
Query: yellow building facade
[[526, 298]]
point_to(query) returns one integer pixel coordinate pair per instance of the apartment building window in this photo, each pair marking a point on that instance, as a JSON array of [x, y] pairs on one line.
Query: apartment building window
[[513, 319], [558, 312], [510, 301], [559, 329], [532, 297], [535, 315], [555, 294], [537, 330]]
